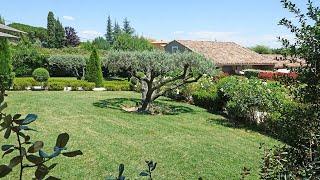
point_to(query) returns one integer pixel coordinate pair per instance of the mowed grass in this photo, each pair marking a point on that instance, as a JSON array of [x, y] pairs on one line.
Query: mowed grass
[[187, 145]]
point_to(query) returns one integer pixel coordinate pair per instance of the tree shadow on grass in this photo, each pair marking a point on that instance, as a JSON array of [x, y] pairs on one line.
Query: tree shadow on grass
[[120, 103]]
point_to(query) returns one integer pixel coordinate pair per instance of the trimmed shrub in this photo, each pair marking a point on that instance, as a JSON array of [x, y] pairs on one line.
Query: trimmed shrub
[[117, 85], [21, 84], [250, 73], [56, 86], [94, 71], [41, 75], [87, 86]]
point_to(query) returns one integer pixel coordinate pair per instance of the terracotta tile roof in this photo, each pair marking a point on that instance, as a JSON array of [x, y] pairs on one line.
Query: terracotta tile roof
[[226, 53], [282, 62]]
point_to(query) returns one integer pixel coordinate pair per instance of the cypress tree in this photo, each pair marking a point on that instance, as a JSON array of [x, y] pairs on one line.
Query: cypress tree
[[109, 34], [51, 28], [127, 27], [117, 29], [60, 35], [93, 69], [6, 74]]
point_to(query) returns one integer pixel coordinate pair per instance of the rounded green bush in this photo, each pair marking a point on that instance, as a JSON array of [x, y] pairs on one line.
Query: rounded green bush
[[41, 75]]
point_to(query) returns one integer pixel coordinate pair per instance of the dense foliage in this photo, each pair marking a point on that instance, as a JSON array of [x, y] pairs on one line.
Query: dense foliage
[[51, 29], [6, 74], [261, 49], [126, 42], [66, 65], [26, 58], [300, 160], [72, 39], [34, 33], [160, 72], [93, 69]]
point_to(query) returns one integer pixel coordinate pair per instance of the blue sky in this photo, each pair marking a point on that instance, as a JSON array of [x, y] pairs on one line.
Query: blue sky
[[247, 22]]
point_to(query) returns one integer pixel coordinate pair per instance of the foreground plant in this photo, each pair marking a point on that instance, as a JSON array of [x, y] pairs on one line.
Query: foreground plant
[[151, 166], [300, 160], [29, 154]]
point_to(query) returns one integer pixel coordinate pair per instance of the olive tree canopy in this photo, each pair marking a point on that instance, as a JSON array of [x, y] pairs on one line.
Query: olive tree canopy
[[160, 72]]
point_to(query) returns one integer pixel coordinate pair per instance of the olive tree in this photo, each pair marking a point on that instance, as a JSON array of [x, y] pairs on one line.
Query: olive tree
[[159, 72], [74, 64]]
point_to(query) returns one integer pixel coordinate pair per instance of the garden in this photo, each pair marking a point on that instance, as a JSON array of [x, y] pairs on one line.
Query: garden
[[116, 108]]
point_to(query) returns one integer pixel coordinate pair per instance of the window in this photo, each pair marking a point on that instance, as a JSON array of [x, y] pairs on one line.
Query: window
[[175, 49]]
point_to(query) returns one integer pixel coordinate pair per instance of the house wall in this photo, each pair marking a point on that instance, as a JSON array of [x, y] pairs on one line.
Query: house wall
[[169, 48]]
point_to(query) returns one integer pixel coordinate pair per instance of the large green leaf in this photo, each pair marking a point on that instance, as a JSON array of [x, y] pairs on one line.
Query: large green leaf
[[38, 145], [34, 159], [4, 170], [3, 106], [7, 133], [29, 119], [41, 171], [7, 152], [6, 147], [15, 161], [62, 140], [72, 153]]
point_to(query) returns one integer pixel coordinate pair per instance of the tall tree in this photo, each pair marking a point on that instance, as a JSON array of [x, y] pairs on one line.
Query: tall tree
[[51, 29], [109, 34], [117, 29], [127, 27], [60, 35], [6, 74], [93, 70], [72, 39]]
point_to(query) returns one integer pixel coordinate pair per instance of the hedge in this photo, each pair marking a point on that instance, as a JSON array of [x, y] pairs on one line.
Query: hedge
[[249, 73], [54, 84]]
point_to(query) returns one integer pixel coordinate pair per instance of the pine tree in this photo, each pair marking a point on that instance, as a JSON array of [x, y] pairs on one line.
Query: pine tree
[[109, 34], [93, 69], [60, 35], [117, 29], [72, 39], [127, 27], [51, 28], [6, 74]]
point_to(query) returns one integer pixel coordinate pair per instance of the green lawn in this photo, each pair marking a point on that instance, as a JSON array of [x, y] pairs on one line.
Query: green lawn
[[187, 145]]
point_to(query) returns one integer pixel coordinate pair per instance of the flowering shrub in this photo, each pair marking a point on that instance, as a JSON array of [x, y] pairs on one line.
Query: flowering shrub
[[268, 75]]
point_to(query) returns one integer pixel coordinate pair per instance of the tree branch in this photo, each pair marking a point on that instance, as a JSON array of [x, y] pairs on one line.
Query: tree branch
[[182, 76], [184, 82]]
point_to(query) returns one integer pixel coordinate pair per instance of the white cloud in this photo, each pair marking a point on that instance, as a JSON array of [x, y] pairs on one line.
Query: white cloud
[[69, 18], [89, 34]]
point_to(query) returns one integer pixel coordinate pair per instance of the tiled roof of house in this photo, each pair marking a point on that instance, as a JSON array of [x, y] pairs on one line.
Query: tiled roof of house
[[282, 62], [226, 53]]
